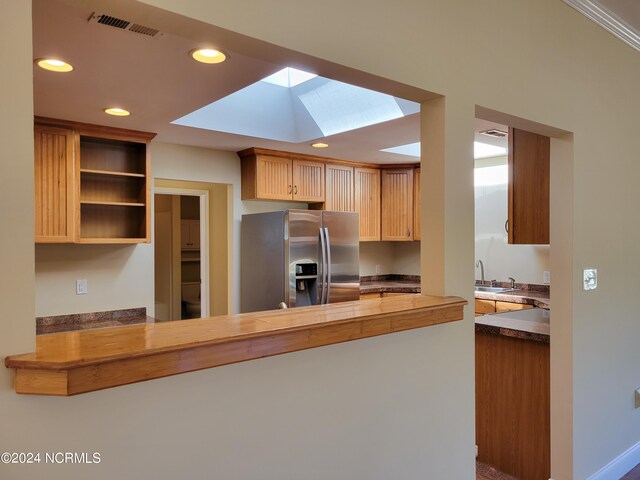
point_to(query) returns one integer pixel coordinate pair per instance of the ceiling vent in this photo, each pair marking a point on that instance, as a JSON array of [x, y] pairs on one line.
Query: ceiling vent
[[495, 133], [123, 24]]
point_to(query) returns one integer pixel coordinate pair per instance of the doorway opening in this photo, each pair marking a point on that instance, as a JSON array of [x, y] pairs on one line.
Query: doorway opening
[[181, 259]]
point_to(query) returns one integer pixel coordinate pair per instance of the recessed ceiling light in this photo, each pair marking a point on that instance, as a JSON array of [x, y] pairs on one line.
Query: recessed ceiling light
[[118, 112], [320, 145], [208, 55], [53, 65]]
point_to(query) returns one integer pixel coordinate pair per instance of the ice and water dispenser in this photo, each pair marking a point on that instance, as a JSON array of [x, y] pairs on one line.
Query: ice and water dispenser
[[306, 284]]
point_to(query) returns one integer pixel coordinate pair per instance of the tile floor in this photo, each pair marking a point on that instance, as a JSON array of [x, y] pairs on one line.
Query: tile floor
[[485, 472], [633, 474]]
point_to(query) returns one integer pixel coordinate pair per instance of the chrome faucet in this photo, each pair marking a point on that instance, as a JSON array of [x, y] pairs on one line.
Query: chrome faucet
[[481, 265], [513, 282]]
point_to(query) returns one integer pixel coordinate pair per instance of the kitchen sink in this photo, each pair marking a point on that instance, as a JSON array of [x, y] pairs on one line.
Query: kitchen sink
[[482, 288]]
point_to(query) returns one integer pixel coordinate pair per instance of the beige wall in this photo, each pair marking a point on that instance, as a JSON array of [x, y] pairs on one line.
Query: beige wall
[[392, 257], [400, 405]]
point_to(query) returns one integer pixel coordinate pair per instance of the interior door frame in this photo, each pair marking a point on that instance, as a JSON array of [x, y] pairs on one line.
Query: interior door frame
[[205, 300]]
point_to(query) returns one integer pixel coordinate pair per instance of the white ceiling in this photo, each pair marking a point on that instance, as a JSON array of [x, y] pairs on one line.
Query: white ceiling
[[156, 79]]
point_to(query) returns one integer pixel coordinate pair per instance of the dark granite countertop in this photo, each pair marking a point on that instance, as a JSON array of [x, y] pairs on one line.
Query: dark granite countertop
[[390, 284], [530, 324]]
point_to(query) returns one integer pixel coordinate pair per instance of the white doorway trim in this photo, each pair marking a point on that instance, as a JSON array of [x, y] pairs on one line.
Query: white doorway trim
[[205, 301]]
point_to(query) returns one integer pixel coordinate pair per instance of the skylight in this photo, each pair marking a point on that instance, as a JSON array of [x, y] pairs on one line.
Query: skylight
[[483, 150], [289, 77], [410, 149], [296, 106], [480, 150]]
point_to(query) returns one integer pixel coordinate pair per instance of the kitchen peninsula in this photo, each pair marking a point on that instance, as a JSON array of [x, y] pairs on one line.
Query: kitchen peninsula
[[79, 362]]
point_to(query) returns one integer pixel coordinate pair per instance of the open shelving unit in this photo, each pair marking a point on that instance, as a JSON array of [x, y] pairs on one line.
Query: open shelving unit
[[111, 192]]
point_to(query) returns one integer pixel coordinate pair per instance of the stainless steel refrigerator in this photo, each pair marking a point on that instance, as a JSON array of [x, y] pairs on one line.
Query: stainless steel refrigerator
[[299, 257]]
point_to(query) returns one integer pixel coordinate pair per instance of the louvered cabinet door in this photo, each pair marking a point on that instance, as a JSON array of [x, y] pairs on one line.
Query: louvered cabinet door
[[416, 204], [339, 188], [273, 178], [397, 204], [308, 181], [367, 202], [54, 184]]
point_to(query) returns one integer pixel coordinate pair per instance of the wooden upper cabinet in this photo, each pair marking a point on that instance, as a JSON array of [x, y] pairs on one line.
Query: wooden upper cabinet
[[397, 204], [367, 202], [339, 187], [274, 178], [91, 183], [54, 180], [416, 204], [274, 175], [308, 181], [528, 218]]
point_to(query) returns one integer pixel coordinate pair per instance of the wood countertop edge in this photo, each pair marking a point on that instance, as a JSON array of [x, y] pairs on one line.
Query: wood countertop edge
[[26, 360]]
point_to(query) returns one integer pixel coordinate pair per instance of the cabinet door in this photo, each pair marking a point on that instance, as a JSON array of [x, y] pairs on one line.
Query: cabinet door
[[273, 178], [54, 184], [416, 204], [185, 234], [194, 233], [397, 204], [509, 306], [308, 181], [367, 202], [529, 155], [339, 188]]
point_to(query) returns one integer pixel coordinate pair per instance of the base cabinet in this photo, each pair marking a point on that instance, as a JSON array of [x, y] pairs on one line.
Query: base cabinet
[[513, 405]]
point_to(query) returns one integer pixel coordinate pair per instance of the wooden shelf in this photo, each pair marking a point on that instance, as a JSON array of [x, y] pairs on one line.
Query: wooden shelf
[[115, 204], [111, 173], [190, 259], [100, 185], [85, 361]]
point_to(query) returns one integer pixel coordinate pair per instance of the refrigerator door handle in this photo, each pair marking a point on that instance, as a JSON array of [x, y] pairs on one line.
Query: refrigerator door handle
[[326, 234], [323, 266]]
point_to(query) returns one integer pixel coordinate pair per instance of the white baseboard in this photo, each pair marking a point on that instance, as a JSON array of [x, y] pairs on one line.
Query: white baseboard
[[620, 465]]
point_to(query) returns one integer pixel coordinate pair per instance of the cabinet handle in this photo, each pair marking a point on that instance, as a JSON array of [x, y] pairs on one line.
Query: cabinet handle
[[296, 190], [289, 188], [506, 226], [408, 232]]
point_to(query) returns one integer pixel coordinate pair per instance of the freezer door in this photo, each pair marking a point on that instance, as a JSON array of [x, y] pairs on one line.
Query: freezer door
[[341, 231], [303, 245]]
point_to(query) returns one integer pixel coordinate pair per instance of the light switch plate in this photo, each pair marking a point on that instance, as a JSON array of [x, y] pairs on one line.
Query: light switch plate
[[81, 286], [546, 277], [590, 278], [377, 268]]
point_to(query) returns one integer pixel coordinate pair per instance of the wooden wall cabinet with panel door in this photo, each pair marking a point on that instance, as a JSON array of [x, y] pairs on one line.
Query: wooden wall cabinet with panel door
[[190, 234], [529, 165], [367, 202], [280, 176], [397, 204], [339, 187], [416, 204], [54, 184], [110, 191]]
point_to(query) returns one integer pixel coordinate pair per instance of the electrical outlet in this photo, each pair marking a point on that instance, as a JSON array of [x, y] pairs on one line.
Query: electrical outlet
[[546, 277], [590, 278], [81, 286], [377, 268]]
